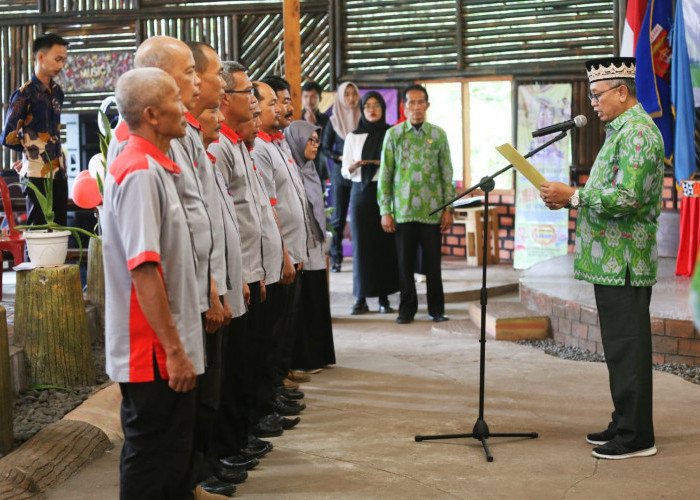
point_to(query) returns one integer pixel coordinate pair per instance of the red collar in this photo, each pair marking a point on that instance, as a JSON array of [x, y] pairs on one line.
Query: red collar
[[142, 145], [265, 137], [231, 134], [212, 158], [192, 121], [278, 136]]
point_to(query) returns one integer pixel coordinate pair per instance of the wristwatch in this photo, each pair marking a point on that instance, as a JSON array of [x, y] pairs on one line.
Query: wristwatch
[[575, 201]]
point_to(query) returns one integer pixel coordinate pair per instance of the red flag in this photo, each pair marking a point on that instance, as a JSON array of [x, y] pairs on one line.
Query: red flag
[[633, 26]]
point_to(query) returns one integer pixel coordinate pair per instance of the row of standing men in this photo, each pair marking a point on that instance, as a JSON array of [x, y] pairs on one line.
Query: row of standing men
[[214, 245]]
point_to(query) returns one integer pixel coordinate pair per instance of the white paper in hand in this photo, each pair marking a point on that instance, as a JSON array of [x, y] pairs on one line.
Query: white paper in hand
[[521, 164]]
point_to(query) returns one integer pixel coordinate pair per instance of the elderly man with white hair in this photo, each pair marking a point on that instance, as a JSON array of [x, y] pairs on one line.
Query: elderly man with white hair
[[152, 329]]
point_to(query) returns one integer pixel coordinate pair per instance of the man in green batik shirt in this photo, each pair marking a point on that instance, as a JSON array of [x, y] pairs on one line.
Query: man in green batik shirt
[[415, 178], [616, 249]]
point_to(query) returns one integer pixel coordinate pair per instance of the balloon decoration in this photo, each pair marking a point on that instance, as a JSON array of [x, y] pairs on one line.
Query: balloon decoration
[[86, 193], [95, 165]]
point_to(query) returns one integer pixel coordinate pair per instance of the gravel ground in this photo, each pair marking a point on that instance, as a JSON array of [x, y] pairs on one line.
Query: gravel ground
[[34, 409], [687, 372]]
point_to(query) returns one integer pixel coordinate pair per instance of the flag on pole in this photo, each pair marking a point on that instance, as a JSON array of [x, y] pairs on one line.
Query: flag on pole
[[633, 26], [682, 100], [654, 68]]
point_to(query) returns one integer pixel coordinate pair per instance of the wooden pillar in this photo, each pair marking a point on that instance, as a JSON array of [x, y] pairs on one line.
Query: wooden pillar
[[50, 323], [6, 436], [292, 52]]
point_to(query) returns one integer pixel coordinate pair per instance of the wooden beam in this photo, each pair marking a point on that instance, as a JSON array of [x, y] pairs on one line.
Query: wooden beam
[[292, 52]]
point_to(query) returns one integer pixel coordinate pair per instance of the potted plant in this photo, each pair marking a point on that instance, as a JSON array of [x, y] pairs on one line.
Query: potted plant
[[47, 244]]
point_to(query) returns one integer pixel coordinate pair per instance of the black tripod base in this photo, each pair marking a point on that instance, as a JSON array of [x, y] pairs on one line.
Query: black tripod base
[[481, 433]]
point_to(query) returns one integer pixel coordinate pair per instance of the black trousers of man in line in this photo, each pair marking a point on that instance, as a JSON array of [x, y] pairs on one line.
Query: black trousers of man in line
[[156, 458], [208, 395], [240, 347], [285, 330], [273, 309], [409, 237], [625, 328], [60, 199]]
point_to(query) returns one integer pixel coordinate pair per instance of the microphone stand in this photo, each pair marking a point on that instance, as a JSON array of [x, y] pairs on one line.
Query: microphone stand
[[481, 431]]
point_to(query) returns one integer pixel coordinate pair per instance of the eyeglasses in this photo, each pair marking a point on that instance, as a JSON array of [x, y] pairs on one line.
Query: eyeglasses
[[596, 97], [314, 142], [372, 106], [250, 91]]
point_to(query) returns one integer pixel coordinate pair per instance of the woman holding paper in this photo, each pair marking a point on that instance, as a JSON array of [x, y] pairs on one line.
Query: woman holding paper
[[375, 273]]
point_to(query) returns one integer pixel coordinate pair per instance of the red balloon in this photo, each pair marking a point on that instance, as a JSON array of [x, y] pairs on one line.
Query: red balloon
[[83, 173], [86, 193]]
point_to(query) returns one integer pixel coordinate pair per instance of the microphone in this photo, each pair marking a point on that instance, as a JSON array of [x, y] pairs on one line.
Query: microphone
[[579, 121]]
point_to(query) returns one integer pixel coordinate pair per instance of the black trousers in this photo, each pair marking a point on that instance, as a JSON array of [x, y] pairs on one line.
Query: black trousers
[[240, 352], [208, 396], [409, 237], [285, 330], [158, 426], [625, 328], [340, 189], [272, 309], [60, 200]]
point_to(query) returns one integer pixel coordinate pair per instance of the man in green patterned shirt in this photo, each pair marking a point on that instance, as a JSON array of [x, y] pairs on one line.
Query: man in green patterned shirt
[[616, 249], [415, 177]]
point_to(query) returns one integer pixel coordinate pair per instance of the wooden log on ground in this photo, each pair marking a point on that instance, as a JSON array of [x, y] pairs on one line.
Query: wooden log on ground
[[6, 400], [50, 323], [49, 458]]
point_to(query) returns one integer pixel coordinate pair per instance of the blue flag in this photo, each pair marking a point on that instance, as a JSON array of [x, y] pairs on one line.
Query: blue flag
[[653, 77], [683, 102]]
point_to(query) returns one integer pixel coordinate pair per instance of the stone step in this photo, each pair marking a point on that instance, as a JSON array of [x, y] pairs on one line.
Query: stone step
[[507, 320]]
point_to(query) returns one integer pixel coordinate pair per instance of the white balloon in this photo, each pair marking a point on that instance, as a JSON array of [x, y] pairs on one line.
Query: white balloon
[[95, 166]]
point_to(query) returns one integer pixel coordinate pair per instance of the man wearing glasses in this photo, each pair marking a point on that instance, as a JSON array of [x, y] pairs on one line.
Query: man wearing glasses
[[616, 249]]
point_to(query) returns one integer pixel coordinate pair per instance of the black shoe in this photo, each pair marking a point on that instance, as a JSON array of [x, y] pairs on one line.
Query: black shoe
[[228, 475], [615, 451], [439, 318], [360, 307], [284, 422], [385, 306], [284, 409], [239, 462], [290, 394], [283, 398], [254, 442], [216, 487], [335, 268], [263, 429], [600, 438], [255, 451], [404, 320]]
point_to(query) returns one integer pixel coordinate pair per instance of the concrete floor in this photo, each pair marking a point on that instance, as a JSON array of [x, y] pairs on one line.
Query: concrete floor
[[395, 381]]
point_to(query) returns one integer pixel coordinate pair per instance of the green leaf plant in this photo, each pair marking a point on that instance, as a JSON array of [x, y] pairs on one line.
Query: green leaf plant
[[46, 204]]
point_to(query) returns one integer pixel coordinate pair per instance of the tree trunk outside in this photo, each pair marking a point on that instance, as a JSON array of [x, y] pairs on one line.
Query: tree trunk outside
[[50, 323]]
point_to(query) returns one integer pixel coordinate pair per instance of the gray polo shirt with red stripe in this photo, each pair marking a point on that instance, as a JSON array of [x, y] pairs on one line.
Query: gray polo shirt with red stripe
[[190, 192], [143, 221], [286, 190], [261, 241]]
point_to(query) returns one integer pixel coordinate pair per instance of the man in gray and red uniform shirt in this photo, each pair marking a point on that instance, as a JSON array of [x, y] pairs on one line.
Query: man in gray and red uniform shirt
[[153, 338]]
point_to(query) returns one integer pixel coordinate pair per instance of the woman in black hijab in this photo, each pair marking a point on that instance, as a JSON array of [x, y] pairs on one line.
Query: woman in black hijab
[[375, 272]]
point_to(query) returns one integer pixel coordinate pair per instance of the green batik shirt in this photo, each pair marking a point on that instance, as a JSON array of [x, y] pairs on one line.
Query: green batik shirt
[[415, 176], [620, 204], [695, 294]]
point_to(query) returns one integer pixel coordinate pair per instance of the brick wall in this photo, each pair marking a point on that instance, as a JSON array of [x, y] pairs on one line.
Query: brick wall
[[673, 341], [453, 243]]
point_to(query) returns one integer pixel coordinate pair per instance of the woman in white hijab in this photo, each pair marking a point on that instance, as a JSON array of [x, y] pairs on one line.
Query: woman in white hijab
[[346, 116]]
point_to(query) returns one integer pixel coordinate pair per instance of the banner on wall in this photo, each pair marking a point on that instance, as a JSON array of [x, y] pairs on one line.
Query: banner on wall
[[541, 233], [691, 14], [94, 71]]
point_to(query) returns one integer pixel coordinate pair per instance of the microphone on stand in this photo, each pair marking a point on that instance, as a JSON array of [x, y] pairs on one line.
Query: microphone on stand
[[579, 121]]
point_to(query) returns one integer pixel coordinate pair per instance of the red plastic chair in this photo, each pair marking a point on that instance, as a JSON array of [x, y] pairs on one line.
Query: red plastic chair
[[14, 241]]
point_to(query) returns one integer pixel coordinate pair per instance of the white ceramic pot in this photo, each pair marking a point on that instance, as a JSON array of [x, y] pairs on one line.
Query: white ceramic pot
[[47, 249]]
